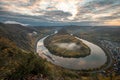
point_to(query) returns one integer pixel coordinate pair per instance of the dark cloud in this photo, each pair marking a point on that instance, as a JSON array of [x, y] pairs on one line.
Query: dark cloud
[[32, 10], [57, 15], [110, 17]]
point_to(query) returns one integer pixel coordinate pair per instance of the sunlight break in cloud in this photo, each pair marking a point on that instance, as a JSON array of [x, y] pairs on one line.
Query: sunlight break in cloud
[[38, 7], [64, 10]]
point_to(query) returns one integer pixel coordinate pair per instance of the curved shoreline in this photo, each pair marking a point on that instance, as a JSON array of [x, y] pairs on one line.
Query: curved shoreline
[[74, 56], [69, 61]]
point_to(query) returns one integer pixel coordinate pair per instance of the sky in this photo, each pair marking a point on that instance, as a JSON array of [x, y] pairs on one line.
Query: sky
[[61, 12]]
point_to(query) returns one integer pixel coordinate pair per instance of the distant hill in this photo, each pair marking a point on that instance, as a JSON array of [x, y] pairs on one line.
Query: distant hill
[[62, 31], [100, 32], [17, 33], [24, 36]]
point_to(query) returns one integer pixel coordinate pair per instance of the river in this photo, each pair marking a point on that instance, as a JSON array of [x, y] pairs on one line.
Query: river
[[96, 59]]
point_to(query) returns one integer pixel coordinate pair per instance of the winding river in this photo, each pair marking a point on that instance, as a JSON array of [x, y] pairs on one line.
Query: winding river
[[96, 59]]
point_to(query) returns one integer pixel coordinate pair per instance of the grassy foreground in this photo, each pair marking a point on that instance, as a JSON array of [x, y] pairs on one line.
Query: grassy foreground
[[73, 47], [16, 64]]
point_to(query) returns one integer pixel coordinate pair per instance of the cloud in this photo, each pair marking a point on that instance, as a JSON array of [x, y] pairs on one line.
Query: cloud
[[39, 7], [14, 22], [57, 15], [62, 10]]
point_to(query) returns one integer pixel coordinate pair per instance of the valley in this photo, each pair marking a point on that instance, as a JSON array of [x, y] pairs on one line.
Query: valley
[[18, 59]]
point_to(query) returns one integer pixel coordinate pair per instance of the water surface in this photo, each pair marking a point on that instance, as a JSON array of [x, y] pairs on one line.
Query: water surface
[[96, 59]]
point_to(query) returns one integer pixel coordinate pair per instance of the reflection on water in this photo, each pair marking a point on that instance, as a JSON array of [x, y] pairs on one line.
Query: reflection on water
[[96, 59]]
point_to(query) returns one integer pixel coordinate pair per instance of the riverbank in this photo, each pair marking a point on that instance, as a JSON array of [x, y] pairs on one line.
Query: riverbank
[[86, 63], [109, 61], [66, 45]]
